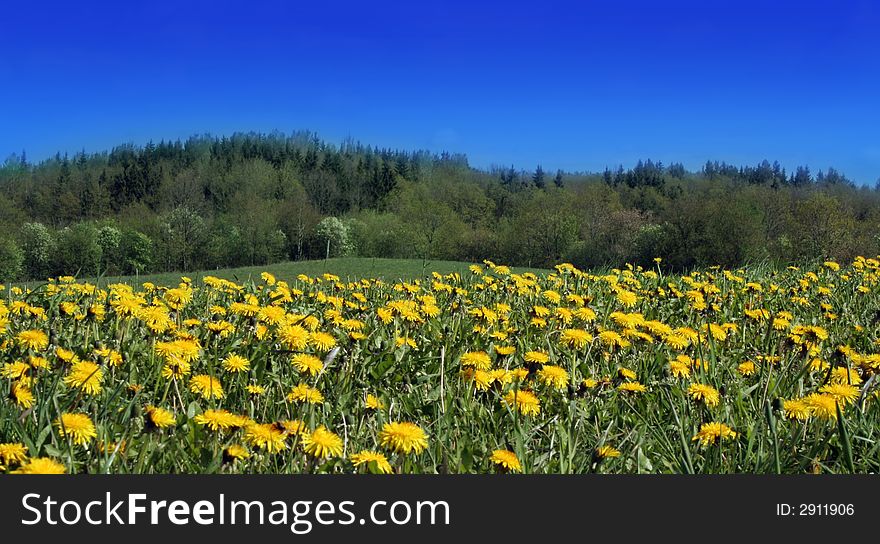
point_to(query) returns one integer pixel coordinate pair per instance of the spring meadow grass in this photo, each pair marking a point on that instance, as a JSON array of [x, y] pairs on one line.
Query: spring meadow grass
[[469, 369]]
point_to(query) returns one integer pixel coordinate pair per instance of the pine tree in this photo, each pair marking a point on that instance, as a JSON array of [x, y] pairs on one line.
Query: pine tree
[[558, 181], [538, 177]]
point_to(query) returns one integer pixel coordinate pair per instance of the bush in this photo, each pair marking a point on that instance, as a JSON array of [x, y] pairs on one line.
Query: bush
[[11, 260], [38, 247], [78, 252]]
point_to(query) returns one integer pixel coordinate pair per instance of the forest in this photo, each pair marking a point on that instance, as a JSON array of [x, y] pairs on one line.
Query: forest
[[254, 199]]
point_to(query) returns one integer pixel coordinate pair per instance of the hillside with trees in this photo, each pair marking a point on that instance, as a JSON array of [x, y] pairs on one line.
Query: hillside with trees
[[254, 199]]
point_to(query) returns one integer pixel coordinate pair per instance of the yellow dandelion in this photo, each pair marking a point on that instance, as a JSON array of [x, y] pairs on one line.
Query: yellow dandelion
[[304, 393], [538, 357], [607, 452], [86, 376], [403, 437], [627, 298], [293, 337], [255, 389], [845, 394], [12, 454], [523, 401], [679, 369], [78, 427], [206, 386], [746, 368], [575, 338], [322, 341], [506, 460], [821, 405], [307, 363], [322, 443], [265, 436], [35, 340], [476, 359], [705, 393], [159, 417], [236, 452], [632, 387], [505, 350], [714, 432], [796, 409], [217, 420], [374, 403], [553, 376], [374, 460], [41, 465], [236, 363]]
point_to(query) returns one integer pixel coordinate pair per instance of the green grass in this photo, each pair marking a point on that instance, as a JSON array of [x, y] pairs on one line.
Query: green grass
[[344, 267]]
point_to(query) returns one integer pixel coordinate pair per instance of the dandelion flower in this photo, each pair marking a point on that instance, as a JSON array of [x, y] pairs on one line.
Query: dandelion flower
[[536, 357], [796, 409], [403, 437], [575, 338], [12, 454], [159, 417], [607, 452], [265, 436], [322, 443], [307, 363], [304, 393], [22, 395], [746, 369], [292, 427], [507, 460], [374, 403], [33, 339], [86, 376], [293, 337], [523, 401], [845, 394], [476, 359], [676, 341], [236, 363], [15, 371], [626, 373], [41, 465], [366, 457], [627, 298], [505, 350], [235, 452], [553, 376], [679, 369], [821, 405], [711, 433], [206, 386], [79, 427], [632, 387], [322, 341], [254, 389], [705, 393], [217, 420]]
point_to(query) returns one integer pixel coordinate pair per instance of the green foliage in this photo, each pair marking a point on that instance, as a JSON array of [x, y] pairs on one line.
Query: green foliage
[[38, 245], [136, 252], [109, 238], [78, 250], [11, 260]]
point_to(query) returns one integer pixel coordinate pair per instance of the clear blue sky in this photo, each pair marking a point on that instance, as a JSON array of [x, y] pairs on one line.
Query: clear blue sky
[[576, 86]]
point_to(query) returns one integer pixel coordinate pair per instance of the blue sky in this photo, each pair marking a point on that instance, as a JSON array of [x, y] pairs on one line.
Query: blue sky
[[577, 86]]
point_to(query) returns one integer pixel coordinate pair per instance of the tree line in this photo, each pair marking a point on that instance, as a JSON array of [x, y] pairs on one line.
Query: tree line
[[254, 199]]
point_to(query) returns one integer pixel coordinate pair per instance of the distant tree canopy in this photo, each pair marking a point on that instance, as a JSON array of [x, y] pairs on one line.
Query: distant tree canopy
[[253, 199]]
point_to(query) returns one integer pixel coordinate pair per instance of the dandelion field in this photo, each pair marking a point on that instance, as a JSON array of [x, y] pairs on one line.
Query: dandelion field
[[756, 370]]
